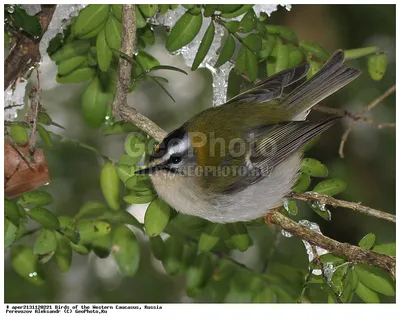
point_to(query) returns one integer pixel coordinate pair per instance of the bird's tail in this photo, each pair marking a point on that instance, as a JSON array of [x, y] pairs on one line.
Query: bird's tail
[[331, 77]]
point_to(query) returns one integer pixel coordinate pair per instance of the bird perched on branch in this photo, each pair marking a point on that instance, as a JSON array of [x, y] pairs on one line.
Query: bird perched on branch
[[239, 160]]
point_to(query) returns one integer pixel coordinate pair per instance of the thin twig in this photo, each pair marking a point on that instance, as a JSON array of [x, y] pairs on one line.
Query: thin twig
[[354, 116], [35, 104], [369, 107], [127, 113], [345, 204]]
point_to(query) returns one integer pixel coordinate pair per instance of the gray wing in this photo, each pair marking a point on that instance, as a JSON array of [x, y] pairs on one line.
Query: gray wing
[[270, 145], [272, 87]]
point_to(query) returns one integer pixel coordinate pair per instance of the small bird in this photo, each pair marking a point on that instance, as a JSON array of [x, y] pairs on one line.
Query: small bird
[[237, 161]]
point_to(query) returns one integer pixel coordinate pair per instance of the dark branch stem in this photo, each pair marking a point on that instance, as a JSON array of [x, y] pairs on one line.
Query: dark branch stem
[[25, 54]]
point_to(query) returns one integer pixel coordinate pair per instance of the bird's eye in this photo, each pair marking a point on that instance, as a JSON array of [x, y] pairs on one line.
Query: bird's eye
[[175, 159]]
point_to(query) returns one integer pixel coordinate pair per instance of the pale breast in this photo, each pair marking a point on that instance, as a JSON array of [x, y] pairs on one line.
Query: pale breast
[[183, 194]]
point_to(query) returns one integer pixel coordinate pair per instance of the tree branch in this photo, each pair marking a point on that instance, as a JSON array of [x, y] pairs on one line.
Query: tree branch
[[352, 253], [25, 54], [345, 204], [120, 105], [127, 113]]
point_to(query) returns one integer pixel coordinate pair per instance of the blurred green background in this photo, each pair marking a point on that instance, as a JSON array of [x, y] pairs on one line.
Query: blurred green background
[[368, 166]]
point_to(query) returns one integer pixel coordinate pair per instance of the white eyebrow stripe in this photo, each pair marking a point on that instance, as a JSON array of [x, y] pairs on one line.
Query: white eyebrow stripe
[[180, 147]]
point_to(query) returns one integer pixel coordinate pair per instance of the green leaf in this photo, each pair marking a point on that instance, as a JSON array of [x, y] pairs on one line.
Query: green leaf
[[139, 199], [90, 208], [117, 11], [253, 42], [63, 253], [25, 264], [148, 10], [157, 247], [104, 54], [156, 217], [79, 248], [172, 255], [110, 186], [92, 230], [196, 9], [11, 211], [102, 246], [377, 65], [366, 294], [243, 9], [344, 284], [291, 207], [28, 23], [44, 217], [313, 168], [330, 187], [67, 66], [147, 35], [314, 49], [386, 248], [163, 8], [315, 66], [120, 127], [287, 34], [45, 243], [90, 18], [368, 241], [125, 172], [71, 50], [126, 250], [302, 183], [120, 217], [248, 22], [113, 32], [164, 67], [44, 135], [295, 58], [139, 183], [36, 198], [95, 103], [69, 228], [204, 46], [246, 62], [209, 9], [10, 233], [266, 296], [375, 279], [210, 237], [358, 53], [232, 26], [198, 274], [267, 45], [282, 59], [228, 8], [140, 20], [146, 61], [239, 237], [227, 51], [184, 31], [19, 134], [320, 209]]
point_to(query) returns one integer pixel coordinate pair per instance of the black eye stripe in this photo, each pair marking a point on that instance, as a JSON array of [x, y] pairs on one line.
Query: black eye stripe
[[175, 158]]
